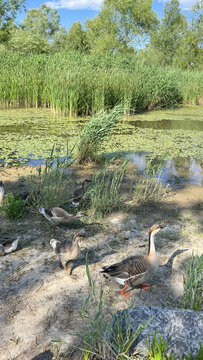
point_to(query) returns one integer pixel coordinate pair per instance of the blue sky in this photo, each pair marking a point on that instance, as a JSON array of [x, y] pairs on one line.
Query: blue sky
[[75, 10]]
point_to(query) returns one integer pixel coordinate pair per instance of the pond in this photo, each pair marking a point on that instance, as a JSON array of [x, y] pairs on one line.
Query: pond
[[28, 135]]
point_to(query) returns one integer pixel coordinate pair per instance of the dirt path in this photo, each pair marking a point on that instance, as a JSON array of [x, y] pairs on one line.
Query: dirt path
[[39, 303]]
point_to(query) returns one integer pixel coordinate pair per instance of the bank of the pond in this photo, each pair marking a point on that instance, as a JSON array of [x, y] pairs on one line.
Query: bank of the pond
[[79, 84], [40, 304]]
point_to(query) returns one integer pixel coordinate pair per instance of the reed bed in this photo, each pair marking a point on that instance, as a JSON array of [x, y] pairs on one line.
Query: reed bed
[[75, 84]]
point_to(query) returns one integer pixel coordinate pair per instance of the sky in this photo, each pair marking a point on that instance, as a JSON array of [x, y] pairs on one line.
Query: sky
[[78, 10]]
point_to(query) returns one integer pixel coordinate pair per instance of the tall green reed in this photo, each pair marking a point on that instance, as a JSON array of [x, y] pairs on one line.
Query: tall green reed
[[95, 132], [78, 84]]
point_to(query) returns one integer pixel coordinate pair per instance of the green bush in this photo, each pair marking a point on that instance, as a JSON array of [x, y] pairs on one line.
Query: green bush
[[13, 206]]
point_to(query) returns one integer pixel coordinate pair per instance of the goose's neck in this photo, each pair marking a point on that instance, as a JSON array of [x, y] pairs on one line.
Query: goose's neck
[[151, 250]]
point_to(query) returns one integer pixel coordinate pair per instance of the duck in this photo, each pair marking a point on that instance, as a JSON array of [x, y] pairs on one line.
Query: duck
[[68, 251], [7, 246], [57, 215], [79, 193], [2, 192], [201, 164], [135, 270]]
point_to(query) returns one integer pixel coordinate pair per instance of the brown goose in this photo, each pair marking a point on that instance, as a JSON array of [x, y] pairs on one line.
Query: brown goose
[[79, 193], [67, 251], [57, 215], [135, 270], [7, 246]]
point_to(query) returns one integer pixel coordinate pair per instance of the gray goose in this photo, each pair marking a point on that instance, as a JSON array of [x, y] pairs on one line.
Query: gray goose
[[67, 251], [57, 215], [135, 270], [79, 193], [7, 246]]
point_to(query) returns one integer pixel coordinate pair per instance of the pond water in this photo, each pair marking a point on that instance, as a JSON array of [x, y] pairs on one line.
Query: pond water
[[28, 135]]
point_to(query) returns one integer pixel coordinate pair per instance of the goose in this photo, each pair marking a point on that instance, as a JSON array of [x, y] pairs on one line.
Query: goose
[[7, 246], [79, 193], [56, 215], [135, 270], [67, 251], [2, 192]]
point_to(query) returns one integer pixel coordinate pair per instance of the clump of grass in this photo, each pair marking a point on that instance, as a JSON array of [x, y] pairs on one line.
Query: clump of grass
[[50, 187], [149, 188], [193, 284], [95, 132], [97, 344], [13, 206], [157, 349], [104, 193]]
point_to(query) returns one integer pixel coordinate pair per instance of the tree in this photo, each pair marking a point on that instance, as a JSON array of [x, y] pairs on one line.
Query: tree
[[119, 24], [169, 36], [26, 42], [76, 38], [8, 12], [43, 21], [101, 33]]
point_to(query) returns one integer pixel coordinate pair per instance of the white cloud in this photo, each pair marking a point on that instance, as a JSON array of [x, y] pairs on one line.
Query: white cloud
[[184, 4], [75, 4]]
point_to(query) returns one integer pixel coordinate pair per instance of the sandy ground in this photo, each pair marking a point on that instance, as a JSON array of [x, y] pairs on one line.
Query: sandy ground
[[39, 303]]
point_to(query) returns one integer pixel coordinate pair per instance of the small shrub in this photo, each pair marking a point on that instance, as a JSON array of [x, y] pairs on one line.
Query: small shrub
[[193, 284], [104, 192], [13, 206], [95, 131], [149, 188]]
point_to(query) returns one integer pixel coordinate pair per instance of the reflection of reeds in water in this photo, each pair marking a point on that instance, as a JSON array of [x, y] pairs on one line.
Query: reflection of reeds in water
[[79, 84]]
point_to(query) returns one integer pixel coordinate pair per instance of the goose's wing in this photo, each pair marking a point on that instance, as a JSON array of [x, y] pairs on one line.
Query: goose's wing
[[78, 193], [10, 246], [134, 266], [65, 247], [59, 212]]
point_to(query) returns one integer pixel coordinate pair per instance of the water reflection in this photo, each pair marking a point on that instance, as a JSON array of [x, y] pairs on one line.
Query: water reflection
[[176, 171], [166, 124]]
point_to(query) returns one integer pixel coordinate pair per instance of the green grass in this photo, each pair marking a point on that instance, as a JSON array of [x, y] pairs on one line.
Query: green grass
[[79, 84], [148, 189], [50, 187], [95, 132], [104, 193], [193, 284]]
